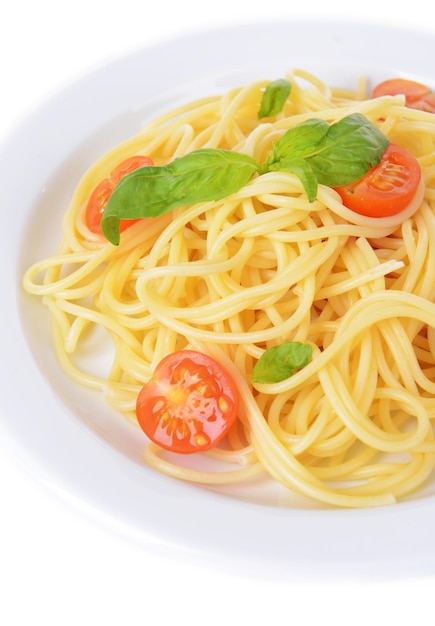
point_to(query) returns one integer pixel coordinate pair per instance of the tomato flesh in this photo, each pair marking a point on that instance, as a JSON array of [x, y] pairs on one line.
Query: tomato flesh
[[102, 192], [190, 403], [387, 188]]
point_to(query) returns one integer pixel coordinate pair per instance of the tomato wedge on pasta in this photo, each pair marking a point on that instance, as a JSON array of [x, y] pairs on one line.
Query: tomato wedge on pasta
[[102, 192], [417, 95], [189, 405], [387, 188]]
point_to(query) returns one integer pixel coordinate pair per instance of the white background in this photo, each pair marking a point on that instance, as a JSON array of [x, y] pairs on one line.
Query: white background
[[57, 565]]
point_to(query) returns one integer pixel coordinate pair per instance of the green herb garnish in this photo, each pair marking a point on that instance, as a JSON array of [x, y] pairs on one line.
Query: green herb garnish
[[200, 176], [274, 98], [281, 362], [315, 151], [329, 154]]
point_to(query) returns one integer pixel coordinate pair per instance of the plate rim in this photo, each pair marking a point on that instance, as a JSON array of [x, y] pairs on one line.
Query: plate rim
[[207, 543]]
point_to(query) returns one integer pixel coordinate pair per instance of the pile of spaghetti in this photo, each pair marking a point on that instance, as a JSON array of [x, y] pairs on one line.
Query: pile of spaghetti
[[233, 277]]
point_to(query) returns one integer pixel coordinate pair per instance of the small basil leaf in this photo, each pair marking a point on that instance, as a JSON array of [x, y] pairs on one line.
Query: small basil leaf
[[274, 98], [281, 362], [200, 176]]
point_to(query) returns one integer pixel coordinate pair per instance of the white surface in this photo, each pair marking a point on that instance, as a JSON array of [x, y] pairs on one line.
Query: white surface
[[58, 562]]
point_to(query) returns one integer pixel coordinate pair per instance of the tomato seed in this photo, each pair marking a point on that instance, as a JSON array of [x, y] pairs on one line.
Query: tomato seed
[[201, 440], [224, 404]]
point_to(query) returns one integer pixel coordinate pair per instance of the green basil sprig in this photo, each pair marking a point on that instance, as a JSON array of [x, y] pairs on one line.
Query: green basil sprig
[[329, 154], [315, 151], [274, 98], [281, 362]]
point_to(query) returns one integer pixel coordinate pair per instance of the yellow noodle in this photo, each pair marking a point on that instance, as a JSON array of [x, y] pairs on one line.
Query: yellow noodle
[[231, 278]]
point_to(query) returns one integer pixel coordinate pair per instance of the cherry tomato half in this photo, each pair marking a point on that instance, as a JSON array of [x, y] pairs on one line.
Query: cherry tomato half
[[426, 103], [102, 192], [417, 95], [411, 89], [387, 188], [97, 203], [190, 403], [128, 166]]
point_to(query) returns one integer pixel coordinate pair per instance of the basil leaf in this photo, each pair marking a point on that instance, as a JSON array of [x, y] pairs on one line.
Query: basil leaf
[[302, 141], [351, 147], [274, 98], [337, 154], [200, 176], [281, 362]]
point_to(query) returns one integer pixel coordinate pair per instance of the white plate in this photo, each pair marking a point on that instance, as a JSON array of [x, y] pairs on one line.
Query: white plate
[[66, 435]]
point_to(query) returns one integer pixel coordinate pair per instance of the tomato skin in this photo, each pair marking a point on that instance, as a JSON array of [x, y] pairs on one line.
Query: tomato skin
[[426, 103], [102, 192], [387, 188], [97, 203], [411, 89], [190, 403], [417, 95], [128, 166]]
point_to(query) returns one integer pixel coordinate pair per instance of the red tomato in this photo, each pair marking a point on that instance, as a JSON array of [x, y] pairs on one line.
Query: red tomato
[[417, 95], [426, 103], [128, 166], [394, 86], [190, 403], [387, 188], [97, 203], [102, 192]]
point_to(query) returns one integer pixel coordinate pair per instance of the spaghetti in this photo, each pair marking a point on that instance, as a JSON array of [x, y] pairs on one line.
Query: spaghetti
[[233, 277]]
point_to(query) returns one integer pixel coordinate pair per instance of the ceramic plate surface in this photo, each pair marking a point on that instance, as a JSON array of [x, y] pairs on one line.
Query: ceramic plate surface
[[67, 435]]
